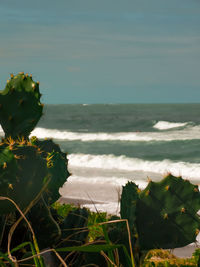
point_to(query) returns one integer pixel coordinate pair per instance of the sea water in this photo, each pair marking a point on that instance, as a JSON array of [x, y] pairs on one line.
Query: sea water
[[110, 144]]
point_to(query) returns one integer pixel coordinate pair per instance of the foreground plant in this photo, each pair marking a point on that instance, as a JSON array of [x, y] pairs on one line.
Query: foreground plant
[[30, 170], [163, 215], [24, 163], [20, 106], [31, 173]]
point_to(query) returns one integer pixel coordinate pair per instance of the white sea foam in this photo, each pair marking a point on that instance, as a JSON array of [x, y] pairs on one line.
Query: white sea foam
[[165, 125], [1, 131], [100, 180], [189, 133], [111, 162]]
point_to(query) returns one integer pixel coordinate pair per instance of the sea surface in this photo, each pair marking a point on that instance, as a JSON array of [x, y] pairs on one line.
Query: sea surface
[[156, 138], [109, 144]]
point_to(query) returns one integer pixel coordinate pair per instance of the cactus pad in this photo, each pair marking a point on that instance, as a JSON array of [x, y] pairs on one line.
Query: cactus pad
[[167, 214], [20, 107], [57, 167], [22, 175], [129, 198]]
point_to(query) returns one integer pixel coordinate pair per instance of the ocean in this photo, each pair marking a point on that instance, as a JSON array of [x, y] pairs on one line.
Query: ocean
[[110, 144]]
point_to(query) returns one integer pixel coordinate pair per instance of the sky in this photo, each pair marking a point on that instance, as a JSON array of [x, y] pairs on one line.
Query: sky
[[104, 51]]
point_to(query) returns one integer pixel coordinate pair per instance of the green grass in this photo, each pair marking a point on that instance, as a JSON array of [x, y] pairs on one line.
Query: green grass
[[98, 230]]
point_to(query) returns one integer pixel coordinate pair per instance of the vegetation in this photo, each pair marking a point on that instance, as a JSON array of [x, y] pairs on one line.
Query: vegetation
[[36, 229]]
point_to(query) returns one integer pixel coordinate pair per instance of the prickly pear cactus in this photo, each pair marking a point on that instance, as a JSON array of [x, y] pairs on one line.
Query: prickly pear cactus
[[46, 146], [118, 232], [167, 214], [129, 198], [20, 107], [22, 174], [57, 167]]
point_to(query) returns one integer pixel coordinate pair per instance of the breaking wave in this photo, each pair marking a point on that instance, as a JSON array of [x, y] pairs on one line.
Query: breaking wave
[[165, 125], [188, 133], [111, 162]]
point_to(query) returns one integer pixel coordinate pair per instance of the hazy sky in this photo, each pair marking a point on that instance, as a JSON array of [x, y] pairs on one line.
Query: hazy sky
[[104, 51]]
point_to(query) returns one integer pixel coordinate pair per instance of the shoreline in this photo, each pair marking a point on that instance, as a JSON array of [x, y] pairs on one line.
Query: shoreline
[[79, 201]]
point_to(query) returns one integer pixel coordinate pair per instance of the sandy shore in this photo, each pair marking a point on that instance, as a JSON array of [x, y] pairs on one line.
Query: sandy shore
[[95, 194], [79, 202]]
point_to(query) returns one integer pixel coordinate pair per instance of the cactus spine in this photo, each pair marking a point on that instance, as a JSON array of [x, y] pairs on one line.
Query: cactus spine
[[22, 174]]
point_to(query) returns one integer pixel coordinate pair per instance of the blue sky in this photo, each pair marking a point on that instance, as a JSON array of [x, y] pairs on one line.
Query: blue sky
[[108, 51]]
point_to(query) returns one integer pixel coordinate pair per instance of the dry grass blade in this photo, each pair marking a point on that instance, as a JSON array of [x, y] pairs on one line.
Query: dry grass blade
[[129, 235], [3, 229], [13, 259], [69, 255], [108, 259], [59, 257], [43, 252], [116, 256], [84, 245], [90, 265], [23, 217], [70, 236]]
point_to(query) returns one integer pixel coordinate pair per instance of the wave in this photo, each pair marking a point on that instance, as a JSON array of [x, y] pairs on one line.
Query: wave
[[111, 162], [189, 133], [165, 125]]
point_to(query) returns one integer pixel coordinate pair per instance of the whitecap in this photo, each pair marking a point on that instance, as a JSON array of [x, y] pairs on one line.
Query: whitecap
[[165, 125], [111, 162], [189, 133]]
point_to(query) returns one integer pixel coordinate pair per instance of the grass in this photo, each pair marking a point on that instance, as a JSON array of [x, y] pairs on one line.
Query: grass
[[97, 226]]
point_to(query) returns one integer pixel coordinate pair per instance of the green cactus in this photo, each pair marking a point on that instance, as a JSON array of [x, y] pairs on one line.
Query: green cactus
[[46, 146], [20, 110], [57, 167], [128, 207], [165, 214], [118, 232], [129, 199], [26, 165], [22, 174], [20, 107]]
